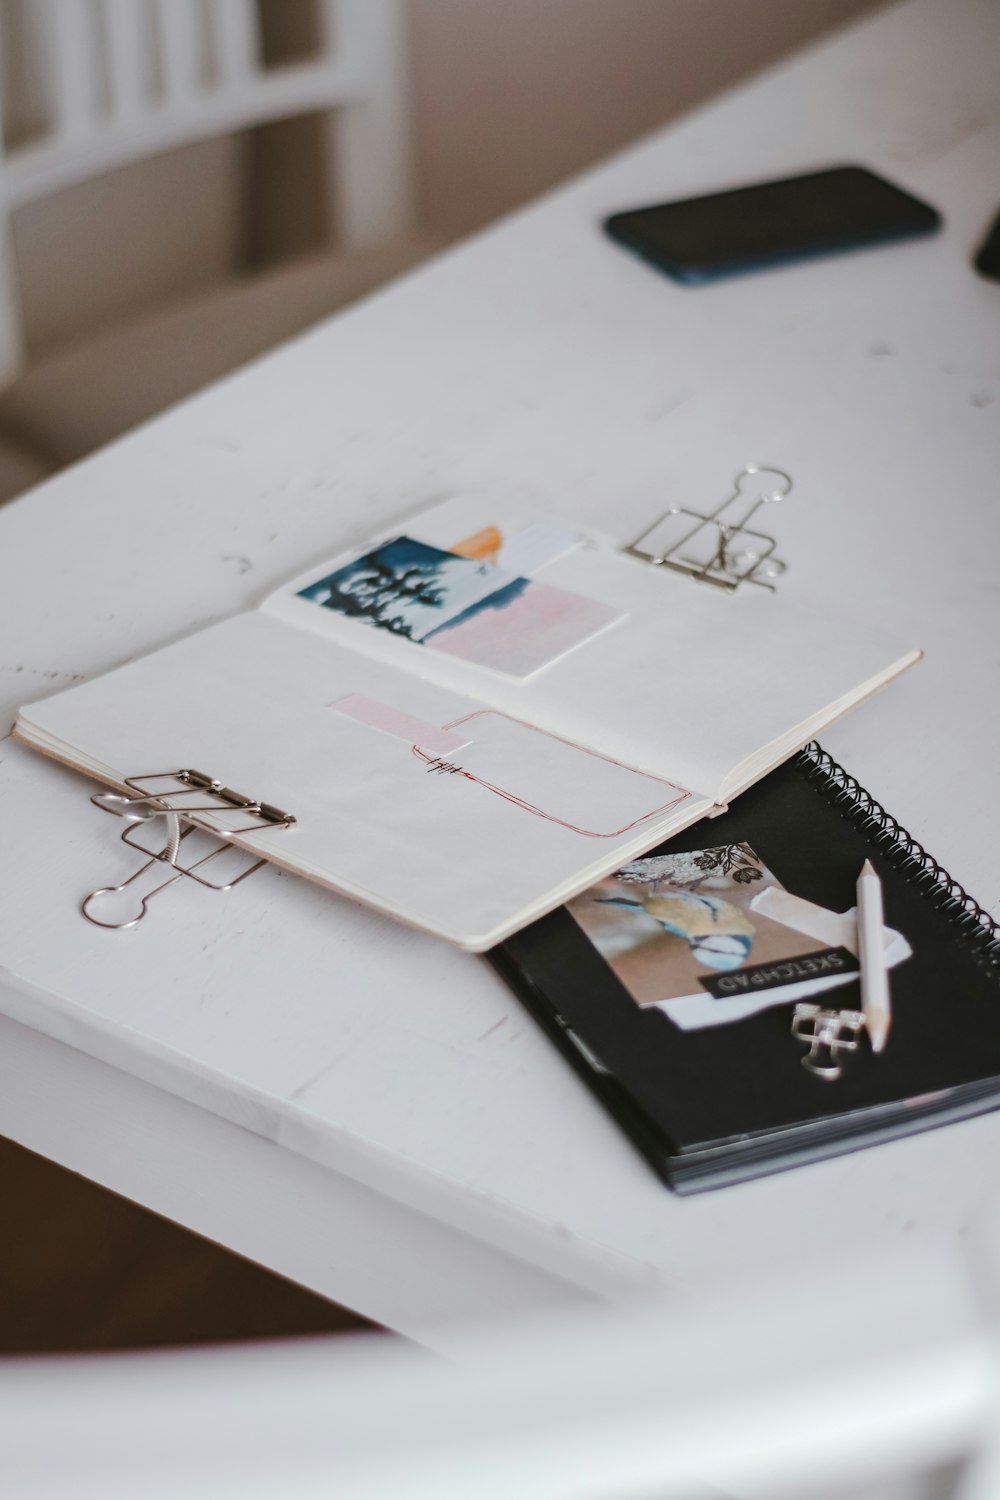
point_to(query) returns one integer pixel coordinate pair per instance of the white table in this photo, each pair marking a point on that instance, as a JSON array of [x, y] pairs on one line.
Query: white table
[[348, 1102]]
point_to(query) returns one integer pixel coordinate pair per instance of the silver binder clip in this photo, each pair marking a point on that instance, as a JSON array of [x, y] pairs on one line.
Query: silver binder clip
[[177, 804], [828, 1032], [720, 547]]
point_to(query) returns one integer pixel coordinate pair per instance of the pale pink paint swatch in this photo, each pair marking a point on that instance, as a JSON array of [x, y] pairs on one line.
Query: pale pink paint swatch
[[382, 716], [535, 628]]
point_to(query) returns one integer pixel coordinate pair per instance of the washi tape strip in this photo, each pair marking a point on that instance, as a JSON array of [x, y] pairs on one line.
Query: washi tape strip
[[382, 716]]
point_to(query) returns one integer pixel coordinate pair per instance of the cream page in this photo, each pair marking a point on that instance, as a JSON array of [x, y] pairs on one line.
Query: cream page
[[677, 678], [443, 810]]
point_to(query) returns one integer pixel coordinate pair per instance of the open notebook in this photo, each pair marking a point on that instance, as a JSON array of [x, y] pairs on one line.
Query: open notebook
[[472, 722]]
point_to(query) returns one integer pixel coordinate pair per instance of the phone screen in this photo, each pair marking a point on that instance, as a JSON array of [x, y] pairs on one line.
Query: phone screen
[[745, 229], [987, 261]]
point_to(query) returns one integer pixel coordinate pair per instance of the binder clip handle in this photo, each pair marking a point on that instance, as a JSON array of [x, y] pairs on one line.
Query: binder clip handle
[[167, 855], [165, 794], [829, 1033], [720, 546]]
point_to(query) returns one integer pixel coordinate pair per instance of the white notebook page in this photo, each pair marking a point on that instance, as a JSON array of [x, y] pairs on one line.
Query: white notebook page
[[509, 825], [690, 680]]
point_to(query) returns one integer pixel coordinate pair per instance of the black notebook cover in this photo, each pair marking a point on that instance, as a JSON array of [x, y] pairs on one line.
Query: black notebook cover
[[729, 1102]]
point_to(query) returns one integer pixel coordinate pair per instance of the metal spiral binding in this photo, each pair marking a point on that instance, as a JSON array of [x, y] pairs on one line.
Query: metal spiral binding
[[920, 869]]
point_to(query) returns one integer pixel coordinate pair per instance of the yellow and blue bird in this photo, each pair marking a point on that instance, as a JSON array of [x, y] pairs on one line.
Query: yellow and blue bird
[[719, 934]]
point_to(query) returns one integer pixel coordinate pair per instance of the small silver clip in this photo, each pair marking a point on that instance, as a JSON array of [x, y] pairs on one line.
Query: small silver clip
[[828, 1032], [719, 547], [180, 821]]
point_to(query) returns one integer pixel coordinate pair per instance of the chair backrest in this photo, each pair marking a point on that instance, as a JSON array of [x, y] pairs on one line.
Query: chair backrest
[[874, 1376], [127, 79]]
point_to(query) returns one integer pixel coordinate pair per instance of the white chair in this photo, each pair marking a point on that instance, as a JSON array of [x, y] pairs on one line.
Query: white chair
[[119, 81], [875, 1380]]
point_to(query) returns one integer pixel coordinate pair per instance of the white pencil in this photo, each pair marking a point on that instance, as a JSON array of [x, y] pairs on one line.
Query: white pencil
[[871, 951]]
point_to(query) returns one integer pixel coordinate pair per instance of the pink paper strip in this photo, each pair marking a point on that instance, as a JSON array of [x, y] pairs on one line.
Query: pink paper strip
[[389, 720]]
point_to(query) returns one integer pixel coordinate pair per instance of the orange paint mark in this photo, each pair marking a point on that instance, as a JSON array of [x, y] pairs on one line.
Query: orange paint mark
[[482, 544]]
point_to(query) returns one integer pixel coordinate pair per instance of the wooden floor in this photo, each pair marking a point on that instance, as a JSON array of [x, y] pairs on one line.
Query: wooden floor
[[82, 1269]]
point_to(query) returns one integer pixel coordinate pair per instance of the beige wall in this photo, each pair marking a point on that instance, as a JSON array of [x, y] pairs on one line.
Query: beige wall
[[143, 236], [513, 95]]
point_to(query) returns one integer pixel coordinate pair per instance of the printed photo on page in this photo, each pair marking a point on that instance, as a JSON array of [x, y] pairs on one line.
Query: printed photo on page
[[463, 606], [691, 934]]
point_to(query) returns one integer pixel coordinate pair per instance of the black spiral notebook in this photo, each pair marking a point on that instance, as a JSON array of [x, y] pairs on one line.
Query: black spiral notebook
[[708, 1082]]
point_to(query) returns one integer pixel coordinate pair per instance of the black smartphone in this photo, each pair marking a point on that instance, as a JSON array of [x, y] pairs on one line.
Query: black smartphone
[[987, 261], [696, 240]]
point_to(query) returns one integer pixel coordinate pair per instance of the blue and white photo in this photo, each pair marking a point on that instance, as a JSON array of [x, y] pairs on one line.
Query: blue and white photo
[[413, 589]]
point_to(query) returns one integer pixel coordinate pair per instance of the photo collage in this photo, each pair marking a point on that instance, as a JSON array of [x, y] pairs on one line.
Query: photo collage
[[468, 603]]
